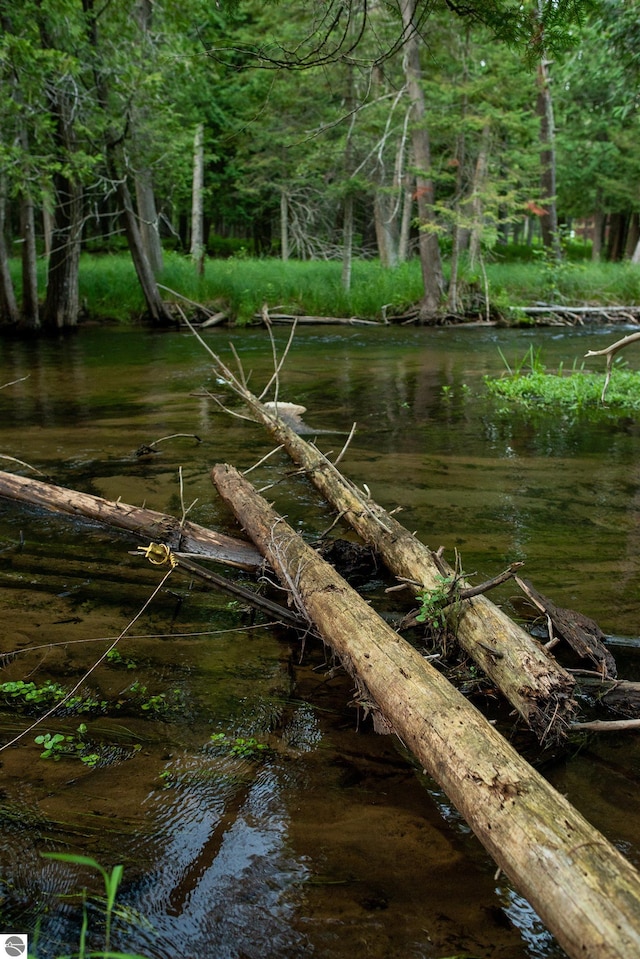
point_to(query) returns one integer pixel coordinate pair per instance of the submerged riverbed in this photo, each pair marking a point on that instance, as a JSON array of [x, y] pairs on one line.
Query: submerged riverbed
[[328, 840]]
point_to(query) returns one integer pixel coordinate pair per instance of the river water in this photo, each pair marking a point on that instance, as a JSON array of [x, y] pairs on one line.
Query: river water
[[330, 842]]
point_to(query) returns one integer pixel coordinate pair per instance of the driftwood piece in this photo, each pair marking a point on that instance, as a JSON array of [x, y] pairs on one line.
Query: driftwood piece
[[584, 890], [145, 523], [618, 695], [582, 633], [526, 674]]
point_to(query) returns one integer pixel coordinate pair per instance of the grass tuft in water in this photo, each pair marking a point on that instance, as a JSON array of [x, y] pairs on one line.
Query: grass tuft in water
[[529, 385]]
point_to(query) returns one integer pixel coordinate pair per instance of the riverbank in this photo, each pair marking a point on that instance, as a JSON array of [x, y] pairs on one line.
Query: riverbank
[[508, 291]]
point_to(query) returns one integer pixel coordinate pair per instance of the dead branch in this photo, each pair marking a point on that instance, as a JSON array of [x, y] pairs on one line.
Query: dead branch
[[610, 352]]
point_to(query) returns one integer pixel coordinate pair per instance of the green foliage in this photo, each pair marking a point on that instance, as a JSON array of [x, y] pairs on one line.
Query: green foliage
[[112, 881], [530, 386], [115, 658], [79, 745], [433, 603], [34, 697], [249, 748], [160, 705]]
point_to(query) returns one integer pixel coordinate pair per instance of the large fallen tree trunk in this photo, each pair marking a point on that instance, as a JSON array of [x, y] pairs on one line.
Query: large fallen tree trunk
[[584, 890], [145, 523], [526, 674]]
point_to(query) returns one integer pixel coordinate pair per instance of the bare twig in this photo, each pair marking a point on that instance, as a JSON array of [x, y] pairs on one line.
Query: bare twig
[[187, 510], [277, 364], [346, 445], [610, 352], [607, 726], [490, 583], [21, 463], [13, 382], [263, 460]]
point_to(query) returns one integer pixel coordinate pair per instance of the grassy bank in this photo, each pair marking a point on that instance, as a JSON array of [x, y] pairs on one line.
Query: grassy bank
[[108, 285]]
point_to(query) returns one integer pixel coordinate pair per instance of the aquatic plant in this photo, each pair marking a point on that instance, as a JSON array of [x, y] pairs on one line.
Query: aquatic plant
[[28, 694], [77, 745], [529, 385], [112, 881], [239, 746]]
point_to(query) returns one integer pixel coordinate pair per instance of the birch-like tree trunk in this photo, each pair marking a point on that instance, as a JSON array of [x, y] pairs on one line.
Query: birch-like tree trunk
[[148, 214], [475, 203], [284, 225], [430, 260], [544, 109], [197, 190]]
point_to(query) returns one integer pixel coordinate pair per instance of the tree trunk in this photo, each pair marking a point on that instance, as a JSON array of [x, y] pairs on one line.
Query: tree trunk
[[147, 524], [386, 224], [197, 189], [62, 302], [405, 226], [616, 238], [148, 213], [284, 226], [544, 109], [347, 242], [475, 203], [430, 261], [9, 312], [538, 688], [583, 889], [30, 305], [158, 312]]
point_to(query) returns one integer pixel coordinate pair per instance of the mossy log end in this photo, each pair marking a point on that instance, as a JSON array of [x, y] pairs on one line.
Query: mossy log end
[[145, 523], [584, 890], [526, 674]]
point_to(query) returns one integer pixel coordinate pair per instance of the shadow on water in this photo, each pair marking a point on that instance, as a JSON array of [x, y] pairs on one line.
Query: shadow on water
[[328, 840]]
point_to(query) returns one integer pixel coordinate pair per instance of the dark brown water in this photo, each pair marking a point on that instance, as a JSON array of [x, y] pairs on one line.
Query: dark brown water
[[330, 843]]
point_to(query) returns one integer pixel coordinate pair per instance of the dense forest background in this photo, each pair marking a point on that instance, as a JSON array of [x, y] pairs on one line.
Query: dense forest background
[[339, 130]]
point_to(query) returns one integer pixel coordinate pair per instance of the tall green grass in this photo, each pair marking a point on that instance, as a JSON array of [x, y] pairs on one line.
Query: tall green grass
[[240, 286]]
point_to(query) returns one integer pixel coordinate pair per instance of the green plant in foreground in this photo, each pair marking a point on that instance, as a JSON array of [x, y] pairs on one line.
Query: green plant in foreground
[[48, 693], [433, 602], [112, 882], [243, 748], [57, 745]]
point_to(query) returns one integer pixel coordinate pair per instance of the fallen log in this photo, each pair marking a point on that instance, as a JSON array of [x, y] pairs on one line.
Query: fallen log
[[583, 889], [526, 674], [144, 523]]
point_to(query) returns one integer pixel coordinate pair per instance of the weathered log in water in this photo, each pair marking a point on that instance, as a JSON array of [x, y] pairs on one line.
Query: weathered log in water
[[581, 633], [584, 890], [617, 695], [526, 674], [144, 523]]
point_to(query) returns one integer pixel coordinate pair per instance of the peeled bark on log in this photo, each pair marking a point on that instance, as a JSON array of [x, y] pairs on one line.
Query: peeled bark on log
[[526, 674], [582, 633], [583, 889], [144, 523]]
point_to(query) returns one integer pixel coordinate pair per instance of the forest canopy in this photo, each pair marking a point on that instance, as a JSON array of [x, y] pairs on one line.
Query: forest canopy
[[444, 130]]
